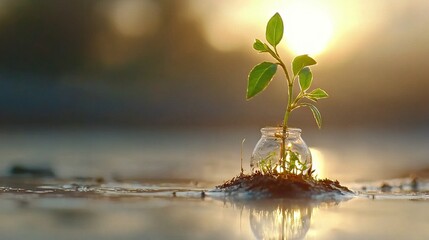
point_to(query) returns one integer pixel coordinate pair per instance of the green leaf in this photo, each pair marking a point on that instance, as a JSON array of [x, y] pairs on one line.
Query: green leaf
[[259, 78], [274, 32], [318, 93], [260, 46], [316, 114], [293, 156], [311, 98], [300, 62], [305, 78]]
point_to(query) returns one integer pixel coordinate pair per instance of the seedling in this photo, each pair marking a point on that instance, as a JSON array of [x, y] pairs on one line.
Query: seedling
[[262, 74]]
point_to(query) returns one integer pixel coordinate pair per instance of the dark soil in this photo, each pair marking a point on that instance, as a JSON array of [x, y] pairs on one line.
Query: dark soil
[[282, 186]]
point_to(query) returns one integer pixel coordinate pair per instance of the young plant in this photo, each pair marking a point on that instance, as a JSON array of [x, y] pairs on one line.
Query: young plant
[[262, 74]]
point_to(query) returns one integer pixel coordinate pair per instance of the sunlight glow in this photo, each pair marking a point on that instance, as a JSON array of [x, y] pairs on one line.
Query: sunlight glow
[[308, 27], [318, 162], [308, 24], [329, 30]]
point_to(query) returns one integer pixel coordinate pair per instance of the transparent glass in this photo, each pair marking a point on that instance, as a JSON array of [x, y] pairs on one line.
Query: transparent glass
[[266, 157]]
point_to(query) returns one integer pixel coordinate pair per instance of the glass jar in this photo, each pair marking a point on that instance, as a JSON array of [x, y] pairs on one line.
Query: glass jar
[[269, 157]]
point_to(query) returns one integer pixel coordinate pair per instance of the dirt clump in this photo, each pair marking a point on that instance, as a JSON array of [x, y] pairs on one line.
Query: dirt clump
[[282, 186]]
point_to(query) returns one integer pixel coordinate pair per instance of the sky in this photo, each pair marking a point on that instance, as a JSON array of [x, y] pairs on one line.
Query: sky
[[151, 63]]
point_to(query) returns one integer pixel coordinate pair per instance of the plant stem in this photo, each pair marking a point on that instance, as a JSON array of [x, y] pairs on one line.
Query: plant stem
[[285, 124], [288, 108], [290, 87], [281, 63]]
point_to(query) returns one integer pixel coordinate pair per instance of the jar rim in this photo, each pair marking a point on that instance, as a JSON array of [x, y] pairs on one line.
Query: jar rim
[[279, 129]]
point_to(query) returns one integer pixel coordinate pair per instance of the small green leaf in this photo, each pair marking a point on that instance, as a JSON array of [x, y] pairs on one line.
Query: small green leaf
[[259, 78], [316, 114], [305, 78], [311, 98], [274, 32], [260, 46], [300, 62], [318, 93], [293, 156]]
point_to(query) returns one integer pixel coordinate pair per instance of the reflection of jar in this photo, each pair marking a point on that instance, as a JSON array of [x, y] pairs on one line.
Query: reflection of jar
[[284, 222], [266, 156]]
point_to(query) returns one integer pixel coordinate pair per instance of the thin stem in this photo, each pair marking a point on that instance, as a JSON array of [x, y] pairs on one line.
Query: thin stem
[[295, 102], [281, 63], [289, 106], [242, 170], [290, 81]]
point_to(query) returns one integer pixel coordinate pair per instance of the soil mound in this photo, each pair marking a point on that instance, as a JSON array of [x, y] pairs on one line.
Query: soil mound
[[282, 186]]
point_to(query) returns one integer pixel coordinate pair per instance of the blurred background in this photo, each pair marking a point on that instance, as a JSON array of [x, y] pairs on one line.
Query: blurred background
[[174, 75]]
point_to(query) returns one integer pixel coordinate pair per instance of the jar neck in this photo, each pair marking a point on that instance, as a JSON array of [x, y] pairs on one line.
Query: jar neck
[[277, 132]]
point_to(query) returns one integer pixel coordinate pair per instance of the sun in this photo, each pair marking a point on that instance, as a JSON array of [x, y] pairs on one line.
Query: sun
[[308, 27], [308, 24]]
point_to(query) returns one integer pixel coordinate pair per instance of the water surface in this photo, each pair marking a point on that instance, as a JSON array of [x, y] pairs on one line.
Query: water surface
[[147, 185]]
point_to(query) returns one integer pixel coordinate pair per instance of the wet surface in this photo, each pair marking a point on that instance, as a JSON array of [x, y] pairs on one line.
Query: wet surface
[[97, 188], [149, 184], [35, 208]]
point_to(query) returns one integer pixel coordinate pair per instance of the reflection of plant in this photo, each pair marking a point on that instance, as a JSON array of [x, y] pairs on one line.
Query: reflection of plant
[[284, 222], [262, 74]]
